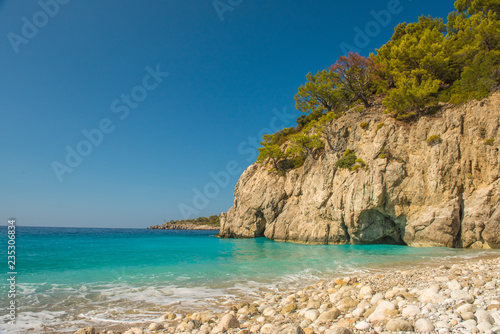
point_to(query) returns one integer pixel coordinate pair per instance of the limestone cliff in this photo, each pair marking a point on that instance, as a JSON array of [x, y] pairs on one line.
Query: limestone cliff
[[446, 194]]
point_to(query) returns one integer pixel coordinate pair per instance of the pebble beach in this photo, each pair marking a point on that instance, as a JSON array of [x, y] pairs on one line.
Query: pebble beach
[[460, 297]]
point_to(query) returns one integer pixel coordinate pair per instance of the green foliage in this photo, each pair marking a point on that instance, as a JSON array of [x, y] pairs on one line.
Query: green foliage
[[360, 161], [270, 151], [355, 73], [411, 93], [434, 140], [304, 120], [303, 145], [478, 79], [348, 160], [424, 63], [429, 61], [212, 220], [355, 168], [489, 142], [379, 126], [319, 93]]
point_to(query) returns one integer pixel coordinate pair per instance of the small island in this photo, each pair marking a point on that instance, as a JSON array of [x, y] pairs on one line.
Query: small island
[[200, 223]]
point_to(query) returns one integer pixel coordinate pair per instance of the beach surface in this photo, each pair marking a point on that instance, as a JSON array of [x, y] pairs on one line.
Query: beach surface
[[461, 296]]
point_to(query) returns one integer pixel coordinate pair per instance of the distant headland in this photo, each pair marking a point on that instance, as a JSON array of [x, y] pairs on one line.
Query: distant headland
[[201, 223]]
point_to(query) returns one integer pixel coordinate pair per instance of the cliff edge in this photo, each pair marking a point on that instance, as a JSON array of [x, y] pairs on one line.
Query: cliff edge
[[434, 181]]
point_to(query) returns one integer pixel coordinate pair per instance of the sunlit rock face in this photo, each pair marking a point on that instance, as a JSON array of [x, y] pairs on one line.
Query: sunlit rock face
[[420, 194]]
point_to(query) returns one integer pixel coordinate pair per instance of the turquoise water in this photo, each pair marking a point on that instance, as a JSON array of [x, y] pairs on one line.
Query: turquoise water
[[78, 276]]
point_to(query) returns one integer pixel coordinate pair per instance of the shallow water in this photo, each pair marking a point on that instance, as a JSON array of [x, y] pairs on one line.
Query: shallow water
[[77, 276]]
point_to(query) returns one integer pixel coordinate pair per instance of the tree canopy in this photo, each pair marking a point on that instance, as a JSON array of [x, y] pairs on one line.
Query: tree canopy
[[425, 62]]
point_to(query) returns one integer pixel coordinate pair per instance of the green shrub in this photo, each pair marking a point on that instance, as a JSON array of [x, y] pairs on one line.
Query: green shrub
[[406, 116], [364, 125], [489, 142], [382, 156], [360, 161], [355, 168], [434, 140], [348, 160], [379, 126]]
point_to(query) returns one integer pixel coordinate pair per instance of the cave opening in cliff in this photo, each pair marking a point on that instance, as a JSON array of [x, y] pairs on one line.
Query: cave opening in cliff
[[375, 227]]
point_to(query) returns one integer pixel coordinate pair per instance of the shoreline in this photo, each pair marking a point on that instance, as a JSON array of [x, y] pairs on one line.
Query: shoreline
[[456, 295], [185, 227]]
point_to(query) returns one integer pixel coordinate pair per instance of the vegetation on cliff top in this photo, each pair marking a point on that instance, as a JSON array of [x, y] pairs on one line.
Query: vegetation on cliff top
[[210, 221], [424, 63]]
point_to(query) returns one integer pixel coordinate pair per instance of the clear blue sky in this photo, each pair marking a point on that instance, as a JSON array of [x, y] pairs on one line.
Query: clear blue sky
[[225, 78]]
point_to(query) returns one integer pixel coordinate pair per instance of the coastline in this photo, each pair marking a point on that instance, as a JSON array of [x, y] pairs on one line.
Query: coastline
[[185, 227], [455, 295]]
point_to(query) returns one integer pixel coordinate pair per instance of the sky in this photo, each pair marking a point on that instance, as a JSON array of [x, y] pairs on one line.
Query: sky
[[128, 113]]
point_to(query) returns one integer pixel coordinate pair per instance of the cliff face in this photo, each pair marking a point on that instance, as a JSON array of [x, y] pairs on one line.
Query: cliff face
[[447, 194]]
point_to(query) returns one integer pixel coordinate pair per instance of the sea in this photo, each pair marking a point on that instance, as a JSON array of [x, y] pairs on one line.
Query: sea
[[69, 278]]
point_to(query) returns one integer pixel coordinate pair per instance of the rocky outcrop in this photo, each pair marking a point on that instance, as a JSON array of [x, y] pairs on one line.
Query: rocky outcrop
[[445, 193]]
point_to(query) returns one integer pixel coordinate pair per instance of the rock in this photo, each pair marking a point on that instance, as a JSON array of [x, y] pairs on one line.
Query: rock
[[462, 295], [289, 308], [255, 329], [314, 304], [204, 329], [268, 329], [154, 326], [269, 312], [424, 325], [467, 315], [376, 298], [484, 326], [134, 330], [308, 331], [453, 285], [229, 321], [465, 308], [439, 192], [492, 307], [484, 316], [399, 325], [410, 311], [347, 303], [311, 314], [362, 326], [261, 319], [496, 315], [358, 312], [441, 324], [380, 310], [292, 329], [430, 295], [366, 292], [168, 316], [338, 330], [86, 330], [469, 325], [329, 315]]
